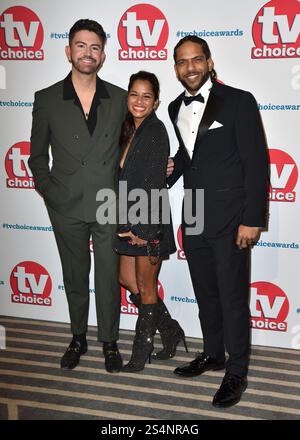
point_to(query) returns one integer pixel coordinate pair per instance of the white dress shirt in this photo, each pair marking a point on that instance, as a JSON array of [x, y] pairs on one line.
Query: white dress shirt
[[189, 117]]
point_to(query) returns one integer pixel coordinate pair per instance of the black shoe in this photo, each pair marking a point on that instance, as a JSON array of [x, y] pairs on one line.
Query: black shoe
[[230, 391], [199, 365], [72, 356], [143, 341], [113, 360]]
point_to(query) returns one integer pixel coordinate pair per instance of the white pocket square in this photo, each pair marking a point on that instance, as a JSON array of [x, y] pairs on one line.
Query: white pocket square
[[215, 124]]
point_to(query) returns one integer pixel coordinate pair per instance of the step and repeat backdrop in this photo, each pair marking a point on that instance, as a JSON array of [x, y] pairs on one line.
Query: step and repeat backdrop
[[255, 46]]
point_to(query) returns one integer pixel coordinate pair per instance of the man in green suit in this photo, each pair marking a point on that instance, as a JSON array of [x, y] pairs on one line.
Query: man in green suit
[[80, 117]]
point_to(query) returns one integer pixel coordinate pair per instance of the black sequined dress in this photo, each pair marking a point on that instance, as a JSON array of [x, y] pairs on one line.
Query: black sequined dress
[[145, 168]]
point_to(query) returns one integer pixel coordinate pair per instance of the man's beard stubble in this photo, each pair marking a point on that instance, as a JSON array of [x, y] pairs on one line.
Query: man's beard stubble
[[198, 86], [90, 69]]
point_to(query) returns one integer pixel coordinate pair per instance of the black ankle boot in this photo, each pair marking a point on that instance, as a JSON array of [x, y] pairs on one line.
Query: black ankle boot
[[170, 331], [143, 341]]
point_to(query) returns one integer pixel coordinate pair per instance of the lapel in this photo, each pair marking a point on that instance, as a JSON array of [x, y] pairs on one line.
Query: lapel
[[103, 120], [70, 125], [133, 149], [128, 159], [173, 112], [74, 118], [104, 117], [214, 102], [88, 142]]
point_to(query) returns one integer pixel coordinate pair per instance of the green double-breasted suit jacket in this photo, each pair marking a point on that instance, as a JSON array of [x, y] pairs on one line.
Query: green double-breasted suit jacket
[[82, 163]]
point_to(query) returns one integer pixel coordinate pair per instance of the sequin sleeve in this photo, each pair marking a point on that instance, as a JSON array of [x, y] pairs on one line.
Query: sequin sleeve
[[154, 146]]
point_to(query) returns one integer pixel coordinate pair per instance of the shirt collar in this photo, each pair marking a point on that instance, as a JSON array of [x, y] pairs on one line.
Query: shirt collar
[[70, 93], [204, 90]]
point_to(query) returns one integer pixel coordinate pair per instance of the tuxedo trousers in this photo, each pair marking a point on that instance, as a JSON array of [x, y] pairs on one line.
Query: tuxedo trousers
[[73, 241], [220, 277]]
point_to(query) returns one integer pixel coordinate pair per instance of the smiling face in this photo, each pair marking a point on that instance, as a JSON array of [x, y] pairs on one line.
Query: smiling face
[[141, 100], [86, 52], [191, 66]]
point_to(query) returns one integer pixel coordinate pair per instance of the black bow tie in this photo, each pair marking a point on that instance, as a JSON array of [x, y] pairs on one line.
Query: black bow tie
[[188, 99]]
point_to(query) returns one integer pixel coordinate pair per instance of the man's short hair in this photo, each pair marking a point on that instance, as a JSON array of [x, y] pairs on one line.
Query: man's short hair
[[86, 24]]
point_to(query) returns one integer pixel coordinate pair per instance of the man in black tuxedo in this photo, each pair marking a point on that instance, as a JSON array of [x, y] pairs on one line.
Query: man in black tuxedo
[[222, 149]]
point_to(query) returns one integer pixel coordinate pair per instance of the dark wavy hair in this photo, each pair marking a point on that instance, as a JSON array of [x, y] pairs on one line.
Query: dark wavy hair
[[85, 24], [128, 127], [202, 43]]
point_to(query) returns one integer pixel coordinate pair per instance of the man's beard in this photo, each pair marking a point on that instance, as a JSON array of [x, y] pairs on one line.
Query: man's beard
[[196, 86], [88, 69]]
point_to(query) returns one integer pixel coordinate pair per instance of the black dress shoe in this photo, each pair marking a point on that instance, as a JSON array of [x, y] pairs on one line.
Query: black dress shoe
[[199, 365], [72, 356], [230, 391], [113, 360]]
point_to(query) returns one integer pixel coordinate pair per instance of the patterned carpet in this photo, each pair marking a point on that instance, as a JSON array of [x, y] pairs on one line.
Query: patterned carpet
[[33, 387]]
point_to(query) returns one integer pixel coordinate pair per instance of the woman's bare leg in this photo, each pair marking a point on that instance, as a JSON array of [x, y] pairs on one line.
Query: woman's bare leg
[[127, 274], [146, 279]]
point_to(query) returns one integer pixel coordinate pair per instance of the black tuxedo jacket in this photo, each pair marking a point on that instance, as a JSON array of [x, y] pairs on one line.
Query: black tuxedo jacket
[[229, 162]]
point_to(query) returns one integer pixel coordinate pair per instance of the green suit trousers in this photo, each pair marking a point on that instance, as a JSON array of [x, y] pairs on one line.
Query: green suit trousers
[[73, 241]]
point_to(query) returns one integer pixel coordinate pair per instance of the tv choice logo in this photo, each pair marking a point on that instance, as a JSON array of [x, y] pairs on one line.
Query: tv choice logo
[[284, 176], [31, 284], [276, 30], [21, 35], [128, 308], [17, 168], [143, 33], [269, 307], [180, 252]]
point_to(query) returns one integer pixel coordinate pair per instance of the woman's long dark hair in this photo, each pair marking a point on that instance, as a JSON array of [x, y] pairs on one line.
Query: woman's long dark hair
[[128, 127]]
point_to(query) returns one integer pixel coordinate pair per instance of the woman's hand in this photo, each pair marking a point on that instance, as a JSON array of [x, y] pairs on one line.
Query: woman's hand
[[170, 166], [134, 239]]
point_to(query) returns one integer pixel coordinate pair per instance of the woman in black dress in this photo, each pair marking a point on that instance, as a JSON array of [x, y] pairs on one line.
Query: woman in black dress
[[142, 242]]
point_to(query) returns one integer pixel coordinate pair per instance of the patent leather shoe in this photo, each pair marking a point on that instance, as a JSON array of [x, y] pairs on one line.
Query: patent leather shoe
[[230, 391], [113, 360], [199, 365], [72, 355]]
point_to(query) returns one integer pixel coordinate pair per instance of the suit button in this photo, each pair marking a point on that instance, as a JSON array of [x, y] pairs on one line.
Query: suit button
[[83, 163], [76, 136]]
